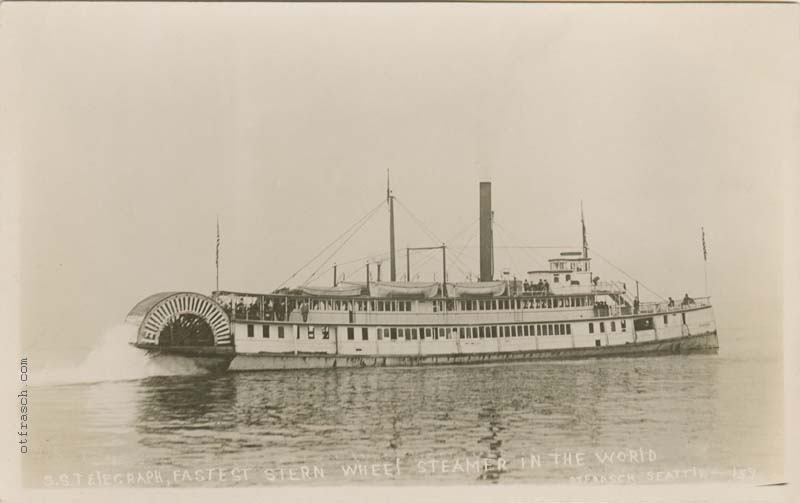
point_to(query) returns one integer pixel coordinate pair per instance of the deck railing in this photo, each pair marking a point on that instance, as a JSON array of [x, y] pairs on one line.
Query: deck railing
[[666, 307]]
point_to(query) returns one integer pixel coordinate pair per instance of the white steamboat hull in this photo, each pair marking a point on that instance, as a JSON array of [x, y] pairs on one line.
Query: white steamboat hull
[[702, 343]]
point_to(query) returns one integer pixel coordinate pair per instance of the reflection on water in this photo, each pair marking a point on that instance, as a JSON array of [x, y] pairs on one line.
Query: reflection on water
[[419, 425]]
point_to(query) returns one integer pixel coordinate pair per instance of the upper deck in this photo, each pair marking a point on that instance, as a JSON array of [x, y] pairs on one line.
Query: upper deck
[[599, 303]]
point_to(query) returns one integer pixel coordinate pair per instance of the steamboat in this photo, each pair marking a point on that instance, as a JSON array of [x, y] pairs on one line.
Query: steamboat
[[558, 312]]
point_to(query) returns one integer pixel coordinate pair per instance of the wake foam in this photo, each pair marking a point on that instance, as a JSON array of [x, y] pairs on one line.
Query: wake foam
[[114, 359]]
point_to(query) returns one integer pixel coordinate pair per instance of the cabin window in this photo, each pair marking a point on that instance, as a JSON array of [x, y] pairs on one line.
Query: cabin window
[[364, 334], [280, 331], [351, 333], [623, 325], [461, 332], [569, 329], [380, 334], [555, 278], [414, 334], [602, 327], [310, 332], [265, 331], [401, 306], [591, 328], [525, 330], [427, 333], [613, 326], [393, 334], [250, 331], [483, 332], [666, 320], [597, 342], [442, 334], [643, 324], [568, 277]]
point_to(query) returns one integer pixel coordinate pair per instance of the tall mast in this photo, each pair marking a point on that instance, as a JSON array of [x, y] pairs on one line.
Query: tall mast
[[583, 229], [390, 200]]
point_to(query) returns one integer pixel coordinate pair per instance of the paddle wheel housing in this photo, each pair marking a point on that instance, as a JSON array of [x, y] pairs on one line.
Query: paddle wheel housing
[[180, 320]]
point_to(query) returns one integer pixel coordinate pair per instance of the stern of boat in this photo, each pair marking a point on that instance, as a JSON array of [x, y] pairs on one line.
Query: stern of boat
[[183, 325]]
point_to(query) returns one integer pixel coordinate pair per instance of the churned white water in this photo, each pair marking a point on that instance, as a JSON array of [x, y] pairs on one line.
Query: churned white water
[[113, 359]]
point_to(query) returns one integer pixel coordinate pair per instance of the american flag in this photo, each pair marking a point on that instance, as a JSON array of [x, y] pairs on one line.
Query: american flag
[[703, 237]]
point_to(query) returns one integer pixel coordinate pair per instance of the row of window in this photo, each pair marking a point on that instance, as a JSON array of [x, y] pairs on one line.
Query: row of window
[[478, 332], [434, 333], [622, 325], [266, 331], [472, 332], [452, 305]]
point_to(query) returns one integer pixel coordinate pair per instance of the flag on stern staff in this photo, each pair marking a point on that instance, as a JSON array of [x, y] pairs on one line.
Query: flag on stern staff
[[703, 237]]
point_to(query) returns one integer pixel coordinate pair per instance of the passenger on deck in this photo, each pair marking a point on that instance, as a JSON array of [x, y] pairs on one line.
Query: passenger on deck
[[525, 286], [671, 302], [687, 300]]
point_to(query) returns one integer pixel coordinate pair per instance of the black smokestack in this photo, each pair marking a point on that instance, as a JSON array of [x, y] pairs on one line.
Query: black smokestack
[[487, 262]]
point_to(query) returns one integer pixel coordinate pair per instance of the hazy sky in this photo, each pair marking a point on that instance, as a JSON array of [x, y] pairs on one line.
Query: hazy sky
[[132, 126]]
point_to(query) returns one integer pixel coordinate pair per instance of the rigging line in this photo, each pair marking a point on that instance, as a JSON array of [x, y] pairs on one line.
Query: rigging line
[[369, 213], [352, 234], [461, 252], [595, 252], [457, 258], [528, 247], [419, 222], [536, 247], [508, 253], [371, 257], [432, 253], [537, 258]]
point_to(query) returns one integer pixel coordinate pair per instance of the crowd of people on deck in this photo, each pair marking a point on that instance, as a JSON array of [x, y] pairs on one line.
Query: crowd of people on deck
[[530, 287]]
